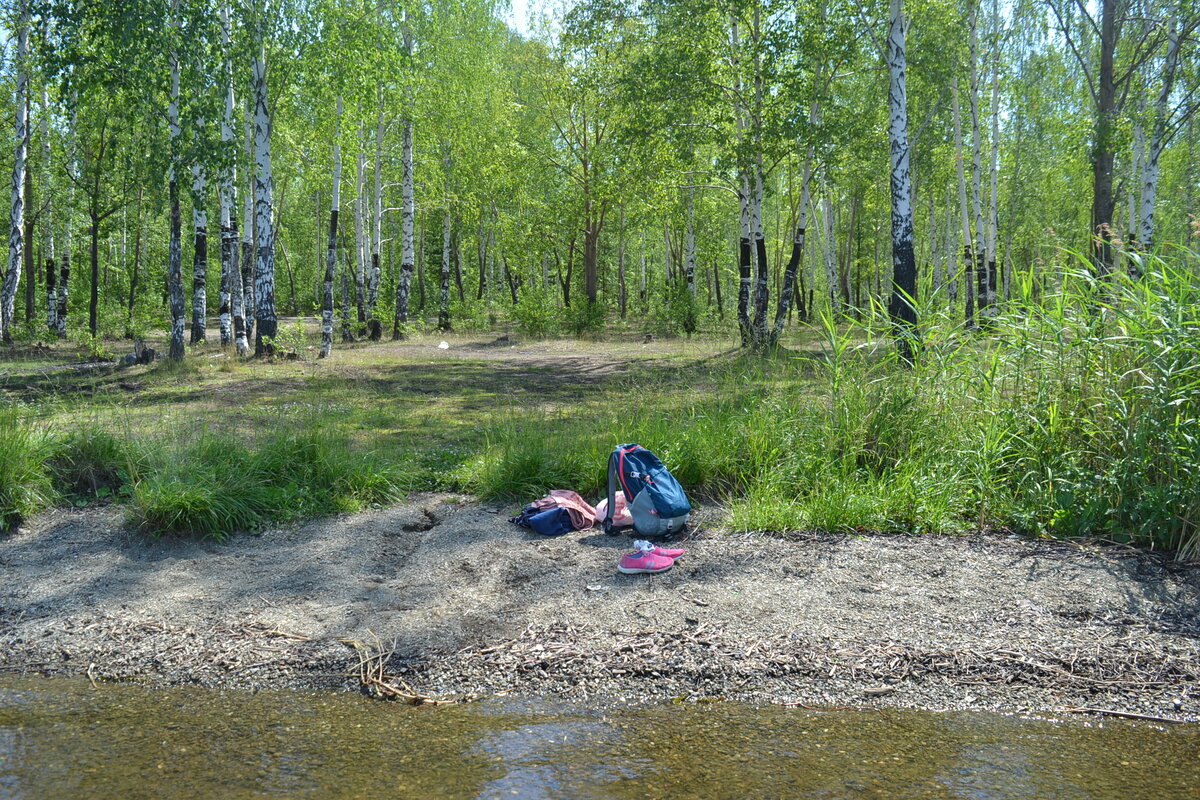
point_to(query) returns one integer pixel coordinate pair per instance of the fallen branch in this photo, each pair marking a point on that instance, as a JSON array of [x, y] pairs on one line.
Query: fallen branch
[[1108, 712], [376, 683]]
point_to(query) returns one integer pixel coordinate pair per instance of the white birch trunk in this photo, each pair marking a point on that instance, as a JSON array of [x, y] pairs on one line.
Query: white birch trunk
[[904, 267], [51, 260], [200, 253], [759, 255], [16, 241], [951, 250], [331, 252], [247, 256], [1158, 137], [991, 259], [936, 253], [746, 242], [408, 256], [980, 247], [1137, 172], [444, 294], [830, 253], [642, 272], [361, 246], [968, 266], [689, 244], [175, 246], [233, 320], [622, 289], [377, 223], [64, 275], [761, 289], [264, 229]]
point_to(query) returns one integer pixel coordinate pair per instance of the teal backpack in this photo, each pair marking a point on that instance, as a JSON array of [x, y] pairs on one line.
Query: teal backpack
[[656, 501]]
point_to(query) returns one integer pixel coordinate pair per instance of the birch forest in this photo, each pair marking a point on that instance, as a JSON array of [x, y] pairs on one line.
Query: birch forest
[[671, 165]]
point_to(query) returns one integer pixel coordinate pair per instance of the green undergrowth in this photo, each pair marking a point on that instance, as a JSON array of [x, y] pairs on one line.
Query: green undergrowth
[[209, 484], [218, 484], [25, 484], [1076, 413]]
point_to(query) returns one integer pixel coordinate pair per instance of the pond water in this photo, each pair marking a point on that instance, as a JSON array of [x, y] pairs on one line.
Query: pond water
[[65, 739]]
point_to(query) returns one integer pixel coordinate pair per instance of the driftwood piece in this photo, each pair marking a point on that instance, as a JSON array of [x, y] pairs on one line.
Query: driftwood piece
[[372, 662]]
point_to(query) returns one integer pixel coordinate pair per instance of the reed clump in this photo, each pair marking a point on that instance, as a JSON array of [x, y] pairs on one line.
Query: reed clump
[[1076, 412]]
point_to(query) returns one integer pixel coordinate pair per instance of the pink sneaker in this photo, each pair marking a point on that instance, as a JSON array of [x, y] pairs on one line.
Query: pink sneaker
[[644, 561], [667, 552]]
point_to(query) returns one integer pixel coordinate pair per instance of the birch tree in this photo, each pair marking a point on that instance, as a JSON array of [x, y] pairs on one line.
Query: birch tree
[[969, 260], [989, 297], [200, 249], [48, 210], [374, 328], [16, 240], [331, 253], [175, 245], [1180, 26], [904, 268], [232, 314], [979, 249], [408, 255], [266, 323]]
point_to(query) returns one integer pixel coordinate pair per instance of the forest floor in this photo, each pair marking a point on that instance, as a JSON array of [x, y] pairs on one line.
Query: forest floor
[[460, 602]]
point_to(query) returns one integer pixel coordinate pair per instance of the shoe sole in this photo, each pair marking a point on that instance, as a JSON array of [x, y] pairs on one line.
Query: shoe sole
[[640, 571]]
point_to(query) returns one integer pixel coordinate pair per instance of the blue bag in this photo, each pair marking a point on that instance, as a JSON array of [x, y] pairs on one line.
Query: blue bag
[[551, 522], [656, 500]]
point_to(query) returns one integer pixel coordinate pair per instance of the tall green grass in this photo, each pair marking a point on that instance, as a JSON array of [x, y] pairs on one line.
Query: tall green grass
[[217, 484], [25, 485], [1075, 413], [210, 484]]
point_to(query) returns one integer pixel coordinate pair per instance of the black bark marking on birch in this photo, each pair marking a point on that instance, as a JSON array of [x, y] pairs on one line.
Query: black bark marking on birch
[[248, 301], [788, 290], [199, 286], [175, 274], [743, 309], [374, 327], [51, 295], [327, 287], [402, 297], [228, 243], [64, 276], [761, 292]]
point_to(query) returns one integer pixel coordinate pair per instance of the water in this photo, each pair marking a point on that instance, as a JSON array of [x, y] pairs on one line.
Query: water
[[64, 739]]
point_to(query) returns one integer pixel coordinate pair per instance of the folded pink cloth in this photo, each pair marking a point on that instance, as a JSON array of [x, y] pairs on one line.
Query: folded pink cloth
[[582, 515]]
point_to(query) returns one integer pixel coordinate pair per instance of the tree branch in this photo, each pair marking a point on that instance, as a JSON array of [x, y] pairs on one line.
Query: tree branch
[[1062, 27]]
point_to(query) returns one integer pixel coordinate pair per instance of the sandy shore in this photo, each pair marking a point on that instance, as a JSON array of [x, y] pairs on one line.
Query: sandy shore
[[458, 601]]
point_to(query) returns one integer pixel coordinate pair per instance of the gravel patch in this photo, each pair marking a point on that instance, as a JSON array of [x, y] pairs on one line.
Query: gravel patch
[[450, 600]]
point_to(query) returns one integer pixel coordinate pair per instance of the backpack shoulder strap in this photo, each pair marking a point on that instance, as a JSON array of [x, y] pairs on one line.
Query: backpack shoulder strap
[[613, 470]]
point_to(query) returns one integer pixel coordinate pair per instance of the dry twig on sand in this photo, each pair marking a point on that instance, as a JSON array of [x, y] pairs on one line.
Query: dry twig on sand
[[372, 676]]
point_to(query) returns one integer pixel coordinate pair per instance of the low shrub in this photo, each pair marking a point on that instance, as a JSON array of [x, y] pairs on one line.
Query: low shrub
[[536, 314]]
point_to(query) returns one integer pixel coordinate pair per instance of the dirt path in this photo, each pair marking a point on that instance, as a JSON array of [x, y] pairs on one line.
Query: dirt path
[[470, 603]]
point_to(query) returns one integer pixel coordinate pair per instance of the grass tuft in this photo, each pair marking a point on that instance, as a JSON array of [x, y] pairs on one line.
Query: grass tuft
[[219, 484], [25, 485]]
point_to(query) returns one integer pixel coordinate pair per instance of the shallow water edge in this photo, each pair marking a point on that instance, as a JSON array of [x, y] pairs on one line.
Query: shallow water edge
[[62, 738]]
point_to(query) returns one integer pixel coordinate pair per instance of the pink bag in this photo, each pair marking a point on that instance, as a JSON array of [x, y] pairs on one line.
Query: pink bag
[[621, 516]]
